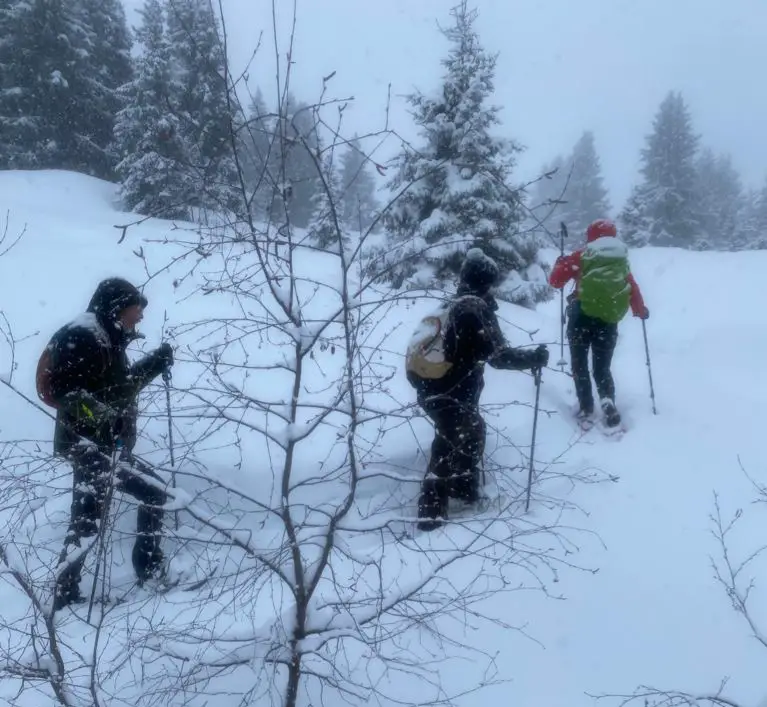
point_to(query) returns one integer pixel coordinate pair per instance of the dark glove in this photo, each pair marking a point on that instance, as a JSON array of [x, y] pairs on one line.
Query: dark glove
[[540, 357], [164, 356]]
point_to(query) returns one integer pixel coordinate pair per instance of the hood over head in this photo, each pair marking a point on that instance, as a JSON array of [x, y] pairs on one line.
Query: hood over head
[[112, 296]]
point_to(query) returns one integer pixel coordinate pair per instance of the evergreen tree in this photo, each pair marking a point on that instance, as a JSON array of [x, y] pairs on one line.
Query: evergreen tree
[[111, 69], [455, 194], [549, 188], [43, 54], [585, 194], [721, 202], [753, 233], [147, 137], [360, 205], [58, 84], [295, 170], [663, 209], [257, 153], [326, 219], [200, 98]]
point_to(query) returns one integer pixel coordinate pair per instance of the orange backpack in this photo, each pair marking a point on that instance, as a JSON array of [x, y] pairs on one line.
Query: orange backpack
[[43, 378]]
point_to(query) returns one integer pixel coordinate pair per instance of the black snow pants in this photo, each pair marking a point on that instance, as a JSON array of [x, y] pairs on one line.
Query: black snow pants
[[586, 334], [455, 465], [92, 489]]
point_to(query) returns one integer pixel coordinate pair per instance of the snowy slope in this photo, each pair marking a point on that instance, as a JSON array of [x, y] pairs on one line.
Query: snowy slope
[[639, 604]]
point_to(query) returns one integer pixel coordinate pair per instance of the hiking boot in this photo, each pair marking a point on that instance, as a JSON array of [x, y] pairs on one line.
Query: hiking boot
[[148, 560], [432, 504], [610, 412], [465, 487], [66, 594]]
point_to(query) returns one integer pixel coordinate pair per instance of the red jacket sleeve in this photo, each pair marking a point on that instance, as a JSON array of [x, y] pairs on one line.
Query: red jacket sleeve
[[637, 301], [565, 269]]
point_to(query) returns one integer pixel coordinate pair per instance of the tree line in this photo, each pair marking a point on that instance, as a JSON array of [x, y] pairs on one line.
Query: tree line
[[164, 123], [687, 195]]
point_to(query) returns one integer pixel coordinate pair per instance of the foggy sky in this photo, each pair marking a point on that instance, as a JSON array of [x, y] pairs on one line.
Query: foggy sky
[[564, 66]]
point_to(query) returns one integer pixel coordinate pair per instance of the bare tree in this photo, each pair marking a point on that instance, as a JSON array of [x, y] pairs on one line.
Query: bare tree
[[737, 576], [308, 582]]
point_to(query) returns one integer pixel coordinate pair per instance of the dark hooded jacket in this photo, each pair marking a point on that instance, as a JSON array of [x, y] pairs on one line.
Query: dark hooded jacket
[[473, 337], [92, 382]]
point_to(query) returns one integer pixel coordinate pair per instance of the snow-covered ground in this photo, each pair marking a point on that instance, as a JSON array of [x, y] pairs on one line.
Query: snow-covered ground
[[638, 604]]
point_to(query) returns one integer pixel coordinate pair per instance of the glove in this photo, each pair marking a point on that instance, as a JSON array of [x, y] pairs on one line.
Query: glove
[[645, 314], [540, 357], [165, 356]]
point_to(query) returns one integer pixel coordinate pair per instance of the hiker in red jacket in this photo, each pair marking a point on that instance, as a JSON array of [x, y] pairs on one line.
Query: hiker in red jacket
[[605, 289]]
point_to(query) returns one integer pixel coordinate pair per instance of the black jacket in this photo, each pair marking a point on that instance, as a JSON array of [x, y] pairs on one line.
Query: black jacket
[[92, 382], [473, 337]]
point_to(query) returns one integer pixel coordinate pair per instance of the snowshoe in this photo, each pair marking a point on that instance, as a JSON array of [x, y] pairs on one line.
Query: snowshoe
[[612, 417], [585, 419]]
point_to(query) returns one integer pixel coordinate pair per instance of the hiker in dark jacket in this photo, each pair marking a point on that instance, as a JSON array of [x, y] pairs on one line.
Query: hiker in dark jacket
[[88, 378], [472, 338]]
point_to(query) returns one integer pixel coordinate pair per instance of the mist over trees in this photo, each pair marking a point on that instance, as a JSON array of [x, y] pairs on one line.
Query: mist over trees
[[154, 111]]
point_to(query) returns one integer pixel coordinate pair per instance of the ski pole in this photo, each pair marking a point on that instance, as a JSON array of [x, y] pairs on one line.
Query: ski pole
[[562, 363], [537, 375], [166, 377], [649, 367]]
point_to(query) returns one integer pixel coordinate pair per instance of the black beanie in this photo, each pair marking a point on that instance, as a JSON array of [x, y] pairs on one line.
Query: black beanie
[[479, 272]]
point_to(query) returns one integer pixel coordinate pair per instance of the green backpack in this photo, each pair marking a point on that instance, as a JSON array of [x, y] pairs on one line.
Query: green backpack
[[604, 291]]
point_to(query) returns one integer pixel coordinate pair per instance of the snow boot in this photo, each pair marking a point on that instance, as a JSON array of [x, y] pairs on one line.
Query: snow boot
[[610, 412], [465, 487], [433, 504], [66, 594]]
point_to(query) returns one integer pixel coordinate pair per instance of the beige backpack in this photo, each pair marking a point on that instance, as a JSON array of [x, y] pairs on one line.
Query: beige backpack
[[426, 350]]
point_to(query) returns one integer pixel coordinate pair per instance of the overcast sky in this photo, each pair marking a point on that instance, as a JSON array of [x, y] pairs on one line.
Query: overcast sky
[[564, 66]]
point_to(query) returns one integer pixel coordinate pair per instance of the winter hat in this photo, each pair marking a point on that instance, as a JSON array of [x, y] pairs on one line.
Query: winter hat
[[599, 228], [114, 295], [479, 271]]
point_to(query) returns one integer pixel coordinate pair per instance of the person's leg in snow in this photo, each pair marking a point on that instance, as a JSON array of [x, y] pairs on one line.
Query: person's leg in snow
[[604, 340], [433, 501], [90, 485], [579, 339], [455, 462], [136, 479], [466, 459], [91, 477]]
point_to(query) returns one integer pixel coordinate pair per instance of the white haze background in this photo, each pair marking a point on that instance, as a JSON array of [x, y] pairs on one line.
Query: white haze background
[[565, 66]]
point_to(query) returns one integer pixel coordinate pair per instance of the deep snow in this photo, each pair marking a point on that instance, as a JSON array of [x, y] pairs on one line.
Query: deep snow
[[639, 607]]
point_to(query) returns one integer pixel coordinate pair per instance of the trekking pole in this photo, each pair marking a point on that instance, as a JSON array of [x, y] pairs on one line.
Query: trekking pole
[[649, 367], [166, 377], [537, 375], [562, 363]]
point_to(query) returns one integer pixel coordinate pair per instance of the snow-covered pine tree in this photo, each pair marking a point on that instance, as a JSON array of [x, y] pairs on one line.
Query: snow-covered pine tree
[[112, 68], [45, 86], [294, 168], [721, 202], [585, 196], [360, 205], [152, 163], [200, 93], [753, 231], [326, 220], [663, 209], [549, 189], [455, 185], [257, 152]]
